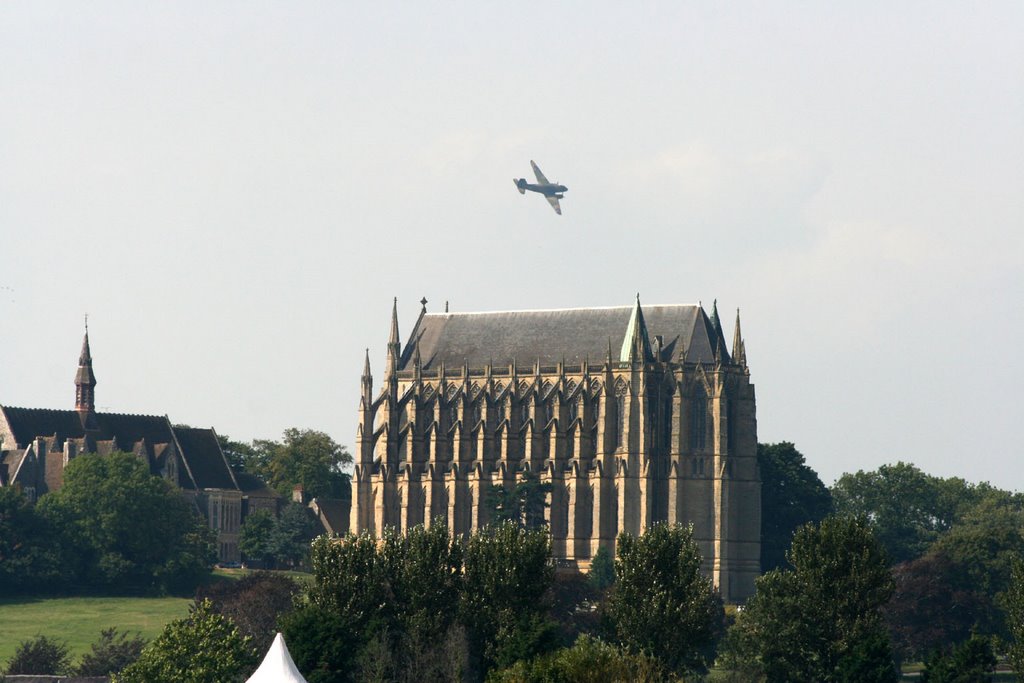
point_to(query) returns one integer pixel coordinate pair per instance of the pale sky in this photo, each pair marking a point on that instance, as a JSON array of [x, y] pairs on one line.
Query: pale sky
[[234, 192]]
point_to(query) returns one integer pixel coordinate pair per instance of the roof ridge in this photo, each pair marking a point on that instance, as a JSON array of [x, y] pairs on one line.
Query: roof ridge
[[560, 310], [71, 411]]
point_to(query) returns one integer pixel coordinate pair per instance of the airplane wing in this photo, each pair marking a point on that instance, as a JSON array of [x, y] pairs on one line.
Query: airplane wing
[[540, 176], [553, 201]]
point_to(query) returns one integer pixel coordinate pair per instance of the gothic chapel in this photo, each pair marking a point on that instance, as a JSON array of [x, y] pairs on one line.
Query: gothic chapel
[[635, 415]]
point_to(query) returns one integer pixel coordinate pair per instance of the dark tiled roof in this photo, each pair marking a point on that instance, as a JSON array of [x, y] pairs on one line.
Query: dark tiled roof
[[29, 423], [253, 485], [204, 458], [573, 335]]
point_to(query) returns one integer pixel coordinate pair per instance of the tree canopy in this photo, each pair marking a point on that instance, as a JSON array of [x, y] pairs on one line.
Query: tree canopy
[[205, 647], [304, 457], [662, 605], [30, 554], [124, 528], [791, 495], [910, 510], [821, 621]]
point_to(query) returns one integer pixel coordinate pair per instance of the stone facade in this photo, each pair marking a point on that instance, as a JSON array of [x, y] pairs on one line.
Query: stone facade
[[635, 415]]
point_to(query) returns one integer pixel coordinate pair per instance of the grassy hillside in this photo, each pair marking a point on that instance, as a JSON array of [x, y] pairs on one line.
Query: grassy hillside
[[80, 620]]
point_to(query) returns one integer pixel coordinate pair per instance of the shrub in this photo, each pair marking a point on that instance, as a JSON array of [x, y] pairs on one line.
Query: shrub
[[40, 656], [111, 653]]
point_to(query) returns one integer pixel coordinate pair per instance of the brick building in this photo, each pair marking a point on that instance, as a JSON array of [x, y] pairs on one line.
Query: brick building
[[36, 444]]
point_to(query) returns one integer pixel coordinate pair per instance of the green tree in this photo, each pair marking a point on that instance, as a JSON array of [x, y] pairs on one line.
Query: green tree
[[791, 495], [394, 603], [589, 660], [257, 455], [323, 644], [822, 619], [901, 502], [309, 459], [507, 573], [602, 569], [349, 579], [424, 557], [126, 528], [985, 543], [293, 530], [971, 661], [662, 604], [255, 538], [1014, 604], [111, 653], [205, 647], [40, 656], [524, 504], [30, 554], [237, 453]]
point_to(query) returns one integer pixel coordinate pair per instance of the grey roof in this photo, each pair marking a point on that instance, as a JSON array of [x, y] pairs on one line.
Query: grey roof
[[572, 335], [204, 458], [27, 424]]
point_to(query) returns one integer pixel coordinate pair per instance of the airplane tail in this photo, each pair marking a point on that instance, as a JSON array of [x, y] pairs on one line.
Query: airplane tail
[[520, 185]]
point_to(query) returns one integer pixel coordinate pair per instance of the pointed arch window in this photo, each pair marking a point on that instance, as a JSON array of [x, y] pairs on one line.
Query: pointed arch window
[[524, 411], [574, 410], [620, 420], [698, 420]]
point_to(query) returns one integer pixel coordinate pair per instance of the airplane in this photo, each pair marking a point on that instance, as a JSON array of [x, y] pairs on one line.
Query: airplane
[[551, 191]]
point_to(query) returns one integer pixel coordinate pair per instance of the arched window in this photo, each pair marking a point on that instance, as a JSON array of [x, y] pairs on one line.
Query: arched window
[[500, 408], [524, 411], [620, 420], [574, 410], [477, 413], [698, 420]]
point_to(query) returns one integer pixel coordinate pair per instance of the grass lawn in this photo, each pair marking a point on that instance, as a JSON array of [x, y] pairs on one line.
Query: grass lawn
[[78, 621]]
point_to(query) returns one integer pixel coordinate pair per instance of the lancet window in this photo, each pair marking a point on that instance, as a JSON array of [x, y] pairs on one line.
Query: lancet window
[[698, 420]]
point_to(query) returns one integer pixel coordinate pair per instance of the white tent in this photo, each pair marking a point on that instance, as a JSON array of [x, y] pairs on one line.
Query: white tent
[[277, 666]]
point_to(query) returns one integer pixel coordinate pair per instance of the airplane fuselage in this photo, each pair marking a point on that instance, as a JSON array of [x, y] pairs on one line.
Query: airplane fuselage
[[549, 190]]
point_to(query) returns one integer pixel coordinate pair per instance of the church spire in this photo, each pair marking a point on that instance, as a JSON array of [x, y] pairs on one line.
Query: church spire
[[636, 345], [739, 350], [85, 382], [718, 343], [715, 320], [367, 380], [394, 345]]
